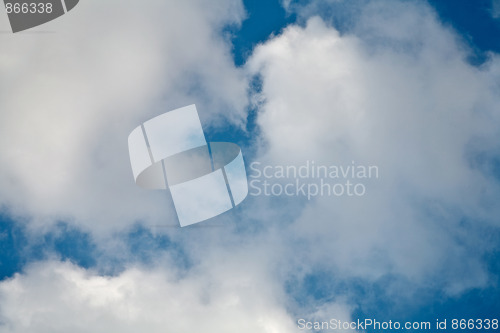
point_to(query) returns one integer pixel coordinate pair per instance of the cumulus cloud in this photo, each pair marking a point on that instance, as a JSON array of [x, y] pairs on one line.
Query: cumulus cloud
[[73, 89], [224, 297], [395, 91]]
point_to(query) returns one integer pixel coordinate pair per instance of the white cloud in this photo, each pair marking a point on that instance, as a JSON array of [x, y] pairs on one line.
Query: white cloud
[[226, 296], [395, 91], [73, 89]]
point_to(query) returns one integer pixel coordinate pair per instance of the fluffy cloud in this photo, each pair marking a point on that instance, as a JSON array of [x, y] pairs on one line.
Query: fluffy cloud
[[227, 296], [395, 90], [73, 89]]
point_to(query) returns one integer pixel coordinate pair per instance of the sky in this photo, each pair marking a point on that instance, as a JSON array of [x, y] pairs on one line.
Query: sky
[[409, 87]]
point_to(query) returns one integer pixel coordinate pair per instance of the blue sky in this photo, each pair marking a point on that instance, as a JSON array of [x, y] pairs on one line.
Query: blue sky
[[289, 82]]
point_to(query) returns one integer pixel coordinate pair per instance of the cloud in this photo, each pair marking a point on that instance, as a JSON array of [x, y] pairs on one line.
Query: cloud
[[226, 296], [395, 90], [73, 89]]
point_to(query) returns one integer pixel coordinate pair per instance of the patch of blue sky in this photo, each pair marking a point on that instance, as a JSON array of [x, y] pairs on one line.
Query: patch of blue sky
[[67, 243], [264, 18], [145, 247], [473, 20], [12, 244], [19, 247], [385, 299], [486, 161], [243, 137], [397, 298]]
